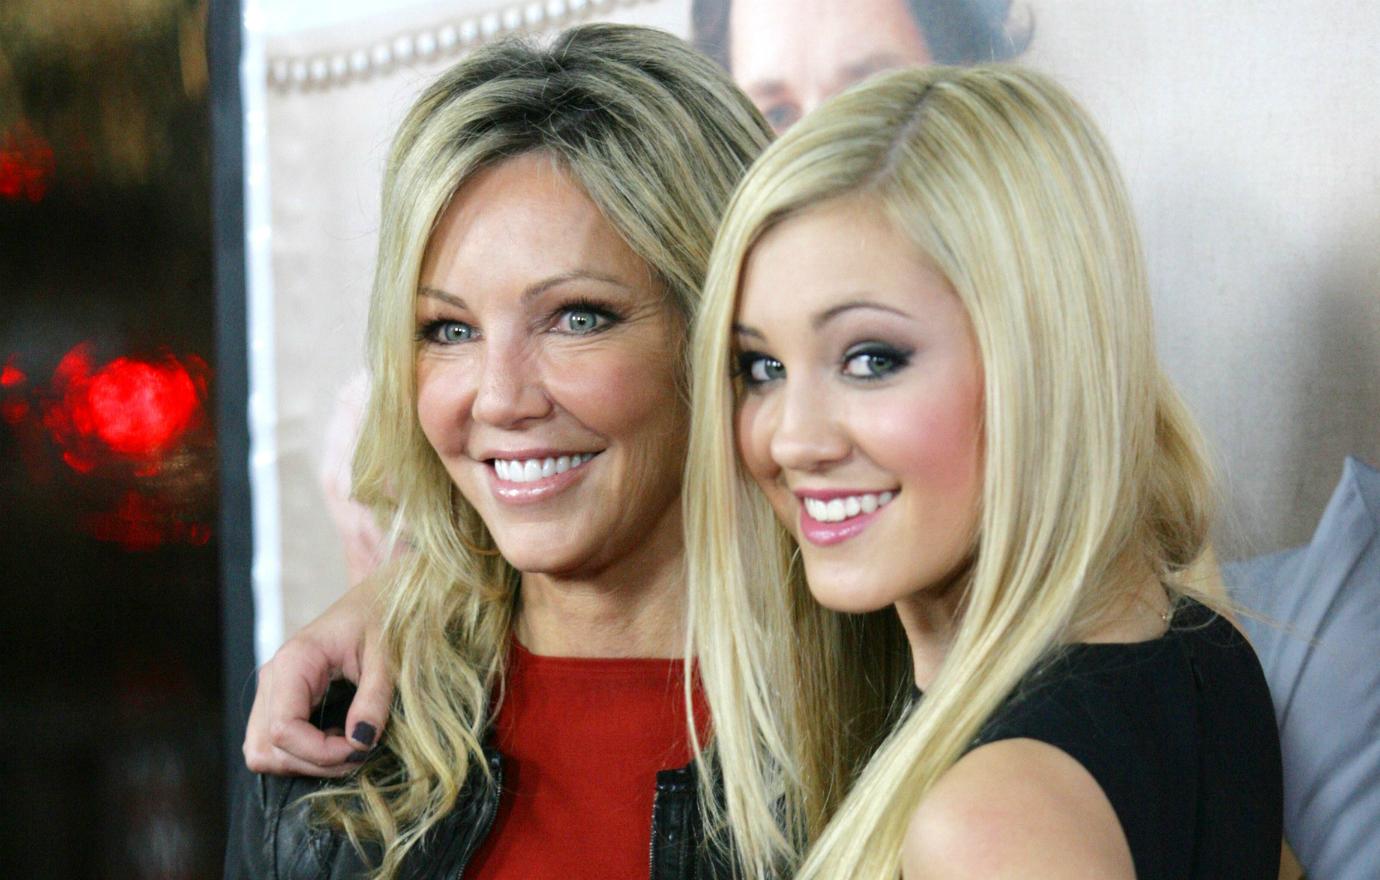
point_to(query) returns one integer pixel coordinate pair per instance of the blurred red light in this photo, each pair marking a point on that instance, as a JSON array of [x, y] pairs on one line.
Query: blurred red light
[[142, 522], [139, 408], [136, 524], [10, 376], [14, 411], [26, 164]]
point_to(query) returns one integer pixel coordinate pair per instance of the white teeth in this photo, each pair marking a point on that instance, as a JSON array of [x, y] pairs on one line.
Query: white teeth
[[840, 509], [533, 469]]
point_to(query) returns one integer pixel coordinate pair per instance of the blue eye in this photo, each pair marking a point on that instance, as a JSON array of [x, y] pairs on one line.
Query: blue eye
[[583, 317], [582, 321], [759, 369], [874, 362], [446, 332]]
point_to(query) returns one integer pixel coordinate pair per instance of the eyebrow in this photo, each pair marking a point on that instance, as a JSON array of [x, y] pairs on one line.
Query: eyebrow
[[824, 317], [828, 315], [532, 290], [877, 61]]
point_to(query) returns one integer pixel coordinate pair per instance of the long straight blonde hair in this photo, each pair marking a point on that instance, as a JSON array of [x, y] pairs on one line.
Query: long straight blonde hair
[[657, 136], [1093, 468]]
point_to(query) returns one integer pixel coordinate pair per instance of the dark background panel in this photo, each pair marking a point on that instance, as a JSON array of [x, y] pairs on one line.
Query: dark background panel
[[111, 667]]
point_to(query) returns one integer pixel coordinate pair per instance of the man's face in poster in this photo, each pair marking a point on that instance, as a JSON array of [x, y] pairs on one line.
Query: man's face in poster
[[789, 55]]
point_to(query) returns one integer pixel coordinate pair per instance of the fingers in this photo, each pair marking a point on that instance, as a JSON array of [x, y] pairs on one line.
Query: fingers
[[373, 697], [283, 763], [279, 738]]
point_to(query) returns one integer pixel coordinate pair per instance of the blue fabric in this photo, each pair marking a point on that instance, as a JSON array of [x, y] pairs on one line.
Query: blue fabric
[[1319, 644]]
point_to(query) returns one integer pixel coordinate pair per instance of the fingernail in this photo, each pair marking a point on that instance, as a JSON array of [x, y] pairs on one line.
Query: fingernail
[[364, 734], [356, 757]]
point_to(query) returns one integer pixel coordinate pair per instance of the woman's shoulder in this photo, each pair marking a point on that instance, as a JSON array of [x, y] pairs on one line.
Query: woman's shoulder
[[1163, 730], [1017, 807]]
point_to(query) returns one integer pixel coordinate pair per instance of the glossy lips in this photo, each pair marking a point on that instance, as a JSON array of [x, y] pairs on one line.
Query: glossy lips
[[840, 515], [532, 479]]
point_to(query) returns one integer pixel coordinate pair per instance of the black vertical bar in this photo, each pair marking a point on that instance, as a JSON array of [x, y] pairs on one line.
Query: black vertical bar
[[224, 40]]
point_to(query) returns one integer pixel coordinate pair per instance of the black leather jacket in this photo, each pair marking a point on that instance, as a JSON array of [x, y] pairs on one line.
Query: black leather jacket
[[272, 836]]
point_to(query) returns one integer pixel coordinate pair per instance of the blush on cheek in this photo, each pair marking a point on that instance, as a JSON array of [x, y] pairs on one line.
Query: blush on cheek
[[935, 442], [612, 395]]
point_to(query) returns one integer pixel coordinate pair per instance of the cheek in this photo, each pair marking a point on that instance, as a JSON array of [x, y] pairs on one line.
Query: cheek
[[444, 394], [624, 396], [932, 440], [753, 440]]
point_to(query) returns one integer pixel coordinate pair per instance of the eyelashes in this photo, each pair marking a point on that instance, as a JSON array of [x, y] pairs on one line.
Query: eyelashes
[[584, 317], [576, 317], [866, 362], [443, 331], [873, 361]]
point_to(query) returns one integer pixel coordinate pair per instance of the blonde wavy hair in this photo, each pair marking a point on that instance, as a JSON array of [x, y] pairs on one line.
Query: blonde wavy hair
[[1093, 468], [657, 136]]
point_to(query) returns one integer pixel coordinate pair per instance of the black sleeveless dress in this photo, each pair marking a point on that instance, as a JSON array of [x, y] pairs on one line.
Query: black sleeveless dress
[[1180, 734]]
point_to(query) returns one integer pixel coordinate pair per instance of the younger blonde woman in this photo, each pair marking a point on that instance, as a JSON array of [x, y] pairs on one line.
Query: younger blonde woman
[[925, 379]]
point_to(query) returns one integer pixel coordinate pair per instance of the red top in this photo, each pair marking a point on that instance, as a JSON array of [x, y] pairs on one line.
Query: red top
[[582, 741]]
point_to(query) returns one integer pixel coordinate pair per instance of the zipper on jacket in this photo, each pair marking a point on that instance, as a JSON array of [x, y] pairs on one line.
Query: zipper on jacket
[[496, 802], [651, 847]]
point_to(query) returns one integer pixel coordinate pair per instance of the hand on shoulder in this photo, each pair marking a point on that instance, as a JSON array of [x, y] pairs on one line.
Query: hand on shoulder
[[343, 643], [1016, 808]]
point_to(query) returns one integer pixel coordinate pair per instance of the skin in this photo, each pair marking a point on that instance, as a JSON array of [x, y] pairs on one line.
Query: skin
[[875, 385], [866, 379], [788, 58], [564, 345], [789, 55]]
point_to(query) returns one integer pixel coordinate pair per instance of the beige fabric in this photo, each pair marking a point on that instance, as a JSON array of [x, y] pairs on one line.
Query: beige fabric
[[1249, 133], [1250, 136]]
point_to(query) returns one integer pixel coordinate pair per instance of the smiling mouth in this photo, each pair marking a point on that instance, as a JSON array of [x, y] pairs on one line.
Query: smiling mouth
[[842, 509], [530, 470]]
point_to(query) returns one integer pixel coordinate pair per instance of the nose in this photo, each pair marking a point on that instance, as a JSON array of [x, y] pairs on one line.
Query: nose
[[511, 386], [808, 435]]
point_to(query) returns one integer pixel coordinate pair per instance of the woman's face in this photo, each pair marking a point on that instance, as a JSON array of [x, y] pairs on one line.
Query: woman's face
[[789, 55], [860, 414], [546, 372]]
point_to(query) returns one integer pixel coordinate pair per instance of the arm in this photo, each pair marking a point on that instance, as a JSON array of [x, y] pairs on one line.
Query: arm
[[1016, 809], [343, 642]]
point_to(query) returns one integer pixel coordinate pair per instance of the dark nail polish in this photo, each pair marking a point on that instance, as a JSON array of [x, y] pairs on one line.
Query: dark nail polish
[[356, 757], [364, 734]]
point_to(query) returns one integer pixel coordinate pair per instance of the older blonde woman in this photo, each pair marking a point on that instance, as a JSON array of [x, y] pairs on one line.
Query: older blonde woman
[[547, 217], [925, 380]]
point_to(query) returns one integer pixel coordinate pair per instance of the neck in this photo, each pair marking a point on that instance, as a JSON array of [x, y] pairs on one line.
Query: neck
[[930, 618], [634, 607]]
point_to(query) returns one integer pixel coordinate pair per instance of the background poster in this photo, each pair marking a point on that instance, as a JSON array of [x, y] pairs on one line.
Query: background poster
[[1248, 133]]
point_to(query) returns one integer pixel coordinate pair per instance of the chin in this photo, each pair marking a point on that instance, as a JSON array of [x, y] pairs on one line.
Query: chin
[[850, 594], [534, 553]]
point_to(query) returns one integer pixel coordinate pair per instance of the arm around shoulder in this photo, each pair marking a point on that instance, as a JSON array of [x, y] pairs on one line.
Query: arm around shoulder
[[1016, 809]]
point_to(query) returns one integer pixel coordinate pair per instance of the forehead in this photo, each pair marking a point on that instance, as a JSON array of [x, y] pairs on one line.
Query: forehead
[[524, 219], [791, 41], [841, 249]]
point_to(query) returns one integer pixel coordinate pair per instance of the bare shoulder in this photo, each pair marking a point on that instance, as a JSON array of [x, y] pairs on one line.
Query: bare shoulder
[[1016, 808]]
